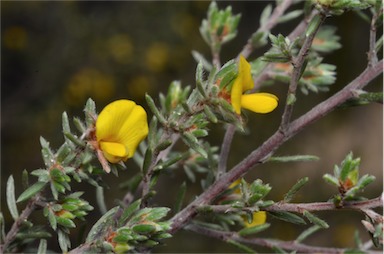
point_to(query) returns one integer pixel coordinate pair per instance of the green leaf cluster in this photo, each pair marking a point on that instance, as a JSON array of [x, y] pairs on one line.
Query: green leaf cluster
[[346, 178], [136, 229], [219, 27], [338, 7]]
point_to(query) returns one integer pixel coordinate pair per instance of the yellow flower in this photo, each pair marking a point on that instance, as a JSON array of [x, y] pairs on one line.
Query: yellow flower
[[256, 102], [259, 218], [120, 127]]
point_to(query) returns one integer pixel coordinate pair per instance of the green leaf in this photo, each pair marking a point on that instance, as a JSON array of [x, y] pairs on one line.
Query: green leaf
[[331, 179], [46, 152], [25, 179], [253, 230], [77, 141], [64, 241], [287, 216], [210, 115], [315, 220], [289, 16], [31, 191], [264, 17], [313, 25], [293, 158], [33, 234], [52, 219], [291, 193], [101, 200], [68, 223], [180, 197], [90, 112], [154, 109], [307, 232], [102, 225], [42, 249], [11, 200], [191, 141], [157, 213], [241, 246], [144, 229], [201, 59], [127, 213]]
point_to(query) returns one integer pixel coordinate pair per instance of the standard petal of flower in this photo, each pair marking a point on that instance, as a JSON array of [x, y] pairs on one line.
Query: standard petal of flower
[[114, 152], [259, 102], [236, 93], [259, 218], [134, 129], [112, 118], [245, 74]]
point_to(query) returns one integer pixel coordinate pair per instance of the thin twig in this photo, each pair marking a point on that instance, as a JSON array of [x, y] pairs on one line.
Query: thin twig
[[269, 243], [301, 207], [224, 152], [298, 65], [275, 141], [372, 55]]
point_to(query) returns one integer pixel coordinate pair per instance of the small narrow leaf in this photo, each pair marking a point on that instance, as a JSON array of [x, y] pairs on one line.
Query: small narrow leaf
[[11, 200], [127, 213], [291, 193], [180, 197], [253, 230], [241, 246], [315, 220], [64, 241], [331, 179], [190, 140], [31, 191], [101, 200], [155, 110], [42, 247], [287, 216], [293, 158], [307, 232]]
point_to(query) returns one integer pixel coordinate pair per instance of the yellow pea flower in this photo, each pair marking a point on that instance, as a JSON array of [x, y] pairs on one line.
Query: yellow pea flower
[[256, 102], [259, 217], [120, 127]]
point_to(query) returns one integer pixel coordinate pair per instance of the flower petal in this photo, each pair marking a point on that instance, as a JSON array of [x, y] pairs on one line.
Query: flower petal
[[114, 152], [134, 129], [120, 127], [236, 93], [259, 218], [259, 102], [245, 74], [112, 118]]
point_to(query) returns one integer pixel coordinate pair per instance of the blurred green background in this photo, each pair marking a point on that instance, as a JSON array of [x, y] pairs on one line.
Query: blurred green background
[[55, 55]]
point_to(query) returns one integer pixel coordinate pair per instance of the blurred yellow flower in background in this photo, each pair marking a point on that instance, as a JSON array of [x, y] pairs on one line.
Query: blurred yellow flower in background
[[15, 38], [120, 127], [256, 102], [89, 82]]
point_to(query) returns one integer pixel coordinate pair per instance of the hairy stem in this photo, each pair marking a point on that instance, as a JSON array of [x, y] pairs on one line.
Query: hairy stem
[[301, 207]]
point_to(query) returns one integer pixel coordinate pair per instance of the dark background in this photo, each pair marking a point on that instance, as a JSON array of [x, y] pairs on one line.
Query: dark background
[[55, 55]]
